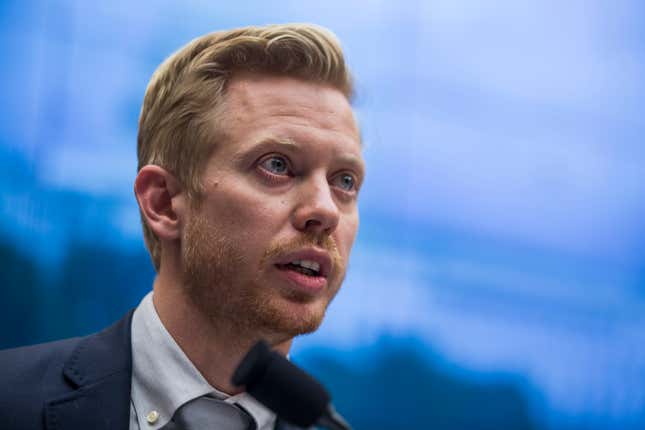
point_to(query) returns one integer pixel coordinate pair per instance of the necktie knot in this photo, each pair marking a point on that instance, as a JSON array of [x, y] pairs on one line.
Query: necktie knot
[[206, 413]]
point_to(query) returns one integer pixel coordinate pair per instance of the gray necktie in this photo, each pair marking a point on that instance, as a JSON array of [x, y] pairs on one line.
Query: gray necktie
[[208, 413]]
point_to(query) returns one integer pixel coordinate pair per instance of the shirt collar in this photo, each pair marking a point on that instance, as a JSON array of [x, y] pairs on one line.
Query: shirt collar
[[164, 378]]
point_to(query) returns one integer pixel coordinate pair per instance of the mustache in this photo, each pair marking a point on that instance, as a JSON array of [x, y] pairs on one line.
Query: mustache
[[307, 240]]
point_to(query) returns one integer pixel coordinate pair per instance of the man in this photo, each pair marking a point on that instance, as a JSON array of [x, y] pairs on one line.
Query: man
[[249, 170]]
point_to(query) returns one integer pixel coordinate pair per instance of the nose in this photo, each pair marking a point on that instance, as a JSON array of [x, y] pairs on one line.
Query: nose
[[316, 212]]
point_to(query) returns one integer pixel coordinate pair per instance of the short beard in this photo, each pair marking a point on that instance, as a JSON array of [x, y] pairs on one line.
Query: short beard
[[211, 275]]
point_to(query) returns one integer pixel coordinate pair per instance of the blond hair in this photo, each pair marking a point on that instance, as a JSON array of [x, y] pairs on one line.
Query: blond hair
[[179, 127]]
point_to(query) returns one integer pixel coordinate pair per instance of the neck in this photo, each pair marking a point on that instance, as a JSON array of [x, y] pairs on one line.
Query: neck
[[215, 349]]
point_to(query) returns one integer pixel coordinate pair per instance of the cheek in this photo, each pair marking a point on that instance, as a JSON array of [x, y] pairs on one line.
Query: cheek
[[346, 233], [247, 214]]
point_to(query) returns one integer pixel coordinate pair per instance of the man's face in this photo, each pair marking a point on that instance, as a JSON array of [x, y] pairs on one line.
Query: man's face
[[267, 247]]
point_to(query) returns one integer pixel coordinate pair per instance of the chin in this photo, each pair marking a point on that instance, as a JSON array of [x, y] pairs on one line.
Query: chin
[[292, 318]]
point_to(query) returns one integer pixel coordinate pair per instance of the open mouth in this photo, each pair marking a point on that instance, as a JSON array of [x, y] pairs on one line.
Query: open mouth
[[308, 268]]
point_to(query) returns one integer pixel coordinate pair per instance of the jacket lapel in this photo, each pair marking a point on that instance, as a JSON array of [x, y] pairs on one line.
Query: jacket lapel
[[99, 372]]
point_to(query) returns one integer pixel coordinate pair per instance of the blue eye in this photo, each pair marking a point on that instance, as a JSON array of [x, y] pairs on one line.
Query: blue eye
[[276, 165], [346, 182]]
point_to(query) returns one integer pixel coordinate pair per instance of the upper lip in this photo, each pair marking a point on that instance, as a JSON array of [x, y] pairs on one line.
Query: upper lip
[[311, 254]]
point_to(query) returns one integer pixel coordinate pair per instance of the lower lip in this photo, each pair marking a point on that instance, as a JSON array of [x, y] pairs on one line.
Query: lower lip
[[311, 284]]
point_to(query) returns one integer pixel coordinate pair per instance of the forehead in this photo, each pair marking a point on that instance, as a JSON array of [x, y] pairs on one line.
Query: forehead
[[268, 103]]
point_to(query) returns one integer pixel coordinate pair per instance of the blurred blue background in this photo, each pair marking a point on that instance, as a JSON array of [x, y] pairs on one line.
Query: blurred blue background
[[498, 280]]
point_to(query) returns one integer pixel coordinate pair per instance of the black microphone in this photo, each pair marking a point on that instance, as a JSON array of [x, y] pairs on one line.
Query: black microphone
[[287, 390]]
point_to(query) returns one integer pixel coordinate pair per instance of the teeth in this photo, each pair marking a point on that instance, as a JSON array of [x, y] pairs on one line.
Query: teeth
[[308, 264]]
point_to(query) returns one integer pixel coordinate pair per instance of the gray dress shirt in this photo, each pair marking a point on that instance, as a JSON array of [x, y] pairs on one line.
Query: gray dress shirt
[[163, 378]]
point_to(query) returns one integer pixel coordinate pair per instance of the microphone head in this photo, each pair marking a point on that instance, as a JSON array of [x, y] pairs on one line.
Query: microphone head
[[281, 386]]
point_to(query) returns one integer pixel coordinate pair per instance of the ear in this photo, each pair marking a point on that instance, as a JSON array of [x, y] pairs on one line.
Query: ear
[[161, 201]]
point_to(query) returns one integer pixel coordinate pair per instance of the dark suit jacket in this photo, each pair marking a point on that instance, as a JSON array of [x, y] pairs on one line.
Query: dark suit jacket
[[72, 384]]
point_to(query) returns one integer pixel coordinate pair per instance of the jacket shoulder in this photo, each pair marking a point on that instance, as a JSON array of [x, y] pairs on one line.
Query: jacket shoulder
[[55, 376], [20, 366], [31, 374]]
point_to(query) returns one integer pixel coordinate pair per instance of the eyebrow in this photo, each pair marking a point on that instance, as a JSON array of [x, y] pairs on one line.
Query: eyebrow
[[283, 142]]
